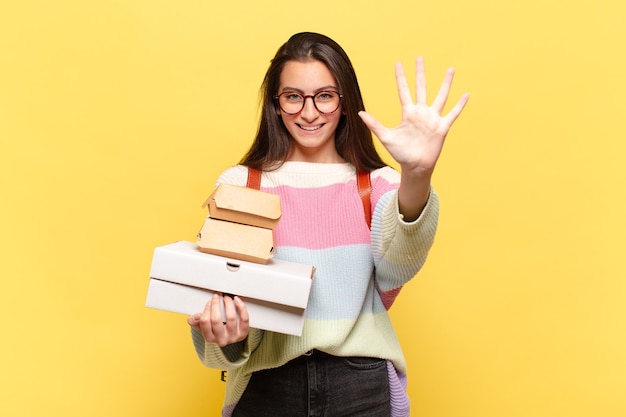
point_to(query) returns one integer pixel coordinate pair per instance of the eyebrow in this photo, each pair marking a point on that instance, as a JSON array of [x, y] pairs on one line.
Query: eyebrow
[[325, 88]]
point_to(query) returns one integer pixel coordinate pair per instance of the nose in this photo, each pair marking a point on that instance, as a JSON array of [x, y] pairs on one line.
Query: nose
[[309, 111]]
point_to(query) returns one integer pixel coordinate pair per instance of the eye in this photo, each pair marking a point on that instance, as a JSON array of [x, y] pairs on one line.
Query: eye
[[325, 95], [293, 97]]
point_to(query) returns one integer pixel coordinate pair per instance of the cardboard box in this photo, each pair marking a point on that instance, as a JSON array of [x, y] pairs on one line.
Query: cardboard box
[[183, 279], [238, 241], [244, 205]]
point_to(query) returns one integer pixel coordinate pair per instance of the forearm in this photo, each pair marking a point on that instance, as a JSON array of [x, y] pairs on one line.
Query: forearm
[[413, 194], [400, 248]]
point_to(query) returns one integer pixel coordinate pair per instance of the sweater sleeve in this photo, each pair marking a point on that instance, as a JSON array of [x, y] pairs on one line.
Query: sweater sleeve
[[400, 248], [229, 357]]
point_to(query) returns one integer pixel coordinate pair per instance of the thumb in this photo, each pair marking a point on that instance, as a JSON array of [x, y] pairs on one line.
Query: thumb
[[372, 123], [194, 320]]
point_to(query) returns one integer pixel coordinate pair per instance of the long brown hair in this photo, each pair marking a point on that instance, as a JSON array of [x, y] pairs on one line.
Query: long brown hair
[[353, 139]]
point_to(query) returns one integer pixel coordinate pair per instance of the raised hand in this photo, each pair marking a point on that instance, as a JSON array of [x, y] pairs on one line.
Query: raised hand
[[416, 143]]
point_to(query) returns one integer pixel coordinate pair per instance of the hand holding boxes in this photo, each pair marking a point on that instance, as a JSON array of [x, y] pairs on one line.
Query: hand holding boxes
[[233, 255]]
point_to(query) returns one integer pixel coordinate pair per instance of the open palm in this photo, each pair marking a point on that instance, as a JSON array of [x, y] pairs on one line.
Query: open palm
[[417, 141]]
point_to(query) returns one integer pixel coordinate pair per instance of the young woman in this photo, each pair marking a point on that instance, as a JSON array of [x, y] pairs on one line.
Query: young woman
[[313, 137]]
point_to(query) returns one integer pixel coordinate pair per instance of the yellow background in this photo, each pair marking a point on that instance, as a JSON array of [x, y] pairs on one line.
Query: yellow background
[[117, 116]]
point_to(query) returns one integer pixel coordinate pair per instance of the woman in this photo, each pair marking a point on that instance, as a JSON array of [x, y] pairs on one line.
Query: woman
[[313, 137]]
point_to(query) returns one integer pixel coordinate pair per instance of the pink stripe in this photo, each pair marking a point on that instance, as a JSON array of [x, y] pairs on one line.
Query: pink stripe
[[322, 217]]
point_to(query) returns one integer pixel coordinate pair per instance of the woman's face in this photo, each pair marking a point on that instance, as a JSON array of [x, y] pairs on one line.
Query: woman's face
[[313, 132]]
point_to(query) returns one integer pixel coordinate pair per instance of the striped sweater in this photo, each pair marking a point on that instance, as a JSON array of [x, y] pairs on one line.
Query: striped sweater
[[358, 272]]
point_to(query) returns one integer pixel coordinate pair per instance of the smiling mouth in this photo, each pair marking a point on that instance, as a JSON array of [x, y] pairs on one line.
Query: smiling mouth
[[310, 128]]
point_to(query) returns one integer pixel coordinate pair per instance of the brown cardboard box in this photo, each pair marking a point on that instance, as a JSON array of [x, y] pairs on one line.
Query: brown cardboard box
[[244, 205], [235, 240], [183, 279]]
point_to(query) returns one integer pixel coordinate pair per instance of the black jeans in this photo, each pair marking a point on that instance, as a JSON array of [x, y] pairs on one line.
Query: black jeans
[[319, 385]]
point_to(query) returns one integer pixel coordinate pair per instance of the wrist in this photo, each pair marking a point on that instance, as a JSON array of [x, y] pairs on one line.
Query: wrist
[[413, 194]]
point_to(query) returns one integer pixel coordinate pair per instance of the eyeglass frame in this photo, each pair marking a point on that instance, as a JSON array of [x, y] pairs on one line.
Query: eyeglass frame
[[304, 97]]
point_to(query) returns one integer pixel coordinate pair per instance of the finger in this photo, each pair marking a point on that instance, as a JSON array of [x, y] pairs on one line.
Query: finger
[[444, 91], [420, 80], [244, 317], [373, 124], [457, 109], [216, 310], [205, 316], [212, 316], [230, 313], [194, 320], [403, 87], [204, 320]]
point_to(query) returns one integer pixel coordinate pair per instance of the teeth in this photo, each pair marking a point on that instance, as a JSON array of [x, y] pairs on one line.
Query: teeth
[[310, 127]]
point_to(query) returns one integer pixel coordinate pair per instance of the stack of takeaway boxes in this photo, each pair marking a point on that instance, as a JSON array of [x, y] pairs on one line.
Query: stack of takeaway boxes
[[233, 256]]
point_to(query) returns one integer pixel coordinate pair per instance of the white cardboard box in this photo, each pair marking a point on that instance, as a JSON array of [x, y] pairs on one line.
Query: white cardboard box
[[183, 279]]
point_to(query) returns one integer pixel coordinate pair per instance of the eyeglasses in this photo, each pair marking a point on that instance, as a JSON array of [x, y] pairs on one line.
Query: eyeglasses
[[325, 102]]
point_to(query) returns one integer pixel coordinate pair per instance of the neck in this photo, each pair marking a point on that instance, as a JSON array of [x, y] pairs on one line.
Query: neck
[[319, 156]]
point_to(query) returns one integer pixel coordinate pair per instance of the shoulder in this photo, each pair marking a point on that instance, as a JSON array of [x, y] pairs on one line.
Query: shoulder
[[386, 172], [236, 175], [385, 179]]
